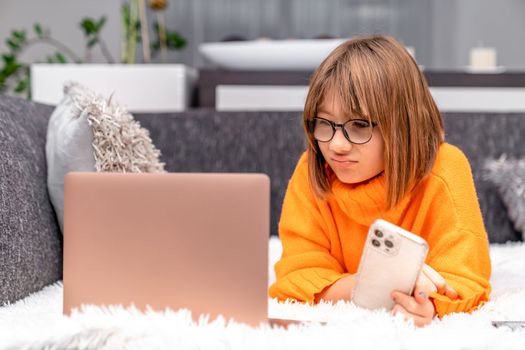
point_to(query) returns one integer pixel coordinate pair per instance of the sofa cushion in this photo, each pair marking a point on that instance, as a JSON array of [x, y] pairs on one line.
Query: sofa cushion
[[509, 177], [30, 240], [483, 136], [88, 132], [68, 148]]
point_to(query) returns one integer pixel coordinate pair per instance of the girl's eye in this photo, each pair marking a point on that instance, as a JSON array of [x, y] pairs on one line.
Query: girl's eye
[[361, 124]]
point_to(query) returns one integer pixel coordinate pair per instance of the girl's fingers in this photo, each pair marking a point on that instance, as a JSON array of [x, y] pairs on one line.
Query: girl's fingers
[[424, 284], [436, 278], [418, 320], [399, 309], [451, 293], [420, 306], [421, 297], [439, 282], [408, 302]]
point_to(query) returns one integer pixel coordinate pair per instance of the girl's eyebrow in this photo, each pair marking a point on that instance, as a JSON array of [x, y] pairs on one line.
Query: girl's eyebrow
[[354, 117], [324, 111]]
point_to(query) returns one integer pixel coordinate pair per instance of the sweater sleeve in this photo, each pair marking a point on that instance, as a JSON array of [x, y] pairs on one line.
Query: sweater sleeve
[[465, 267], [459, 247], [306, 266]]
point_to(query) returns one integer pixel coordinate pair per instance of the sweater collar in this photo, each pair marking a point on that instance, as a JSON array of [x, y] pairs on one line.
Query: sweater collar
[[365, 202]]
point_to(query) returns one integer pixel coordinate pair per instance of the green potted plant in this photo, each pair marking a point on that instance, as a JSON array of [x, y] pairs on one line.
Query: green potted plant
[[42, 80]]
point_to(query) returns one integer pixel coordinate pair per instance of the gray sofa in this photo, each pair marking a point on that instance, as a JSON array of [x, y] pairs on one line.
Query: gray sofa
[[193, 141]]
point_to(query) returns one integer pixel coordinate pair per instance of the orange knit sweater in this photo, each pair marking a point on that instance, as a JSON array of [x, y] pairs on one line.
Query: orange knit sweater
[[323, 239]]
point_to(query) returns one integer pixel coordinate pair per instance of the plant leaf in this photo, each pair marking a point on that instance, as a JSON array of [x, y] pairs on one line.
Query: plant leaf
[[11, 69], [38, 29], [8, 58], [175, 41], [12, 44], [88, 25], [100, 23], [19, 34], [22, 85], [92, 42], [60, 58], [125, 13], [156, 27]]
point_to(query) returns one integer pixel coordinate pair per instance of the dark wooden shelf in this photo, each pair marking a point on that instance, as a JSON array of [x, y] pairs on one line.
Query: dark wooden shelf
[[210, 78]]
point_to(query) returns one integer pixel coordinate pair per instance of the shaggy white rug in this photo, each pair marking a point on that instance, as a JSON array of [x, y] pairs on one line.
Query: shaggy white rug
[[37, 323]]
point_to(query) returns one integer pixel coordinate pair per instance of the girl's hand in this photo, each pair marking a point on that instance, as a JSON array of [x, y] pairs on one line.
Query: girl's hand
[[418, 307], [430, 281], [340, 290]]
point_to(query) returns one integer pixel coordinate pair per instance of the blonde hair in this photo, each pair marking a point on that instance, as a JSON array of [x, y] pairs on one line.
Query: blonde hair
[[375, 78]]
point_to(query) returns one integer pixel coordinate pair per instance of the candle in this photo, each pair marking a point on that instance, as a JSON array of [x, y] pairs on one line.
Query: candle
[[483, 57]]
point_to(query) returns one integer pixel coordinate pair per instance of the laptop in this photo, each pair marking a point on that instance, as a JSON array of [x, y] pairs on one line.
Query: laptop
[[196, 241]]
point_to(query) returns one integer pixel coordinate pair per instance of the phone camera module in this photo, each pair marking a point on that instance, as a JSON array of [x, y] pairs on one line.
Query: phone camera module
[[376, 243], [389, 244], [378, 233]]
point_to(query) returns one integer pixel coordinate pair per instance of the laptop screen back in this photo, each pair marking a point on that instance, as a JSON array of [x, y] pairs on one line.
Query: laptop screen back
[[178, 240]]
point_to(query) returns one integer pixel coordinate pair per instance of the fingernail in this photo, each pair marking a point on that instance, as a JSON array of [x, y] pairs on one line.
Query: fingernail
[[423, 295]]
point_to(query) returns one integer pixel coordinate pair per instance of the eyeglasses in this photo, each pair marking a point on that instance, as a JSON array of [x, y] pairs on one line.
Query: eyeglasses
[[356, 131]]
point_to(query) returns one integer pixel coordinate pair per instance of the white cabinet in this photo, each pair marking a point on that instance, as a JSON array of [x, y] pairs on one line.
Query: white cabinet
[[139, 88]]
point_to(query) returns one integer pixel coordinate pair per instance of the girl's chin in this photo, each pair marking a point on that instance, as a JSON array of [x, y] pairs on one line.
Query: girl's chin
[[350, 180], [354, 180]]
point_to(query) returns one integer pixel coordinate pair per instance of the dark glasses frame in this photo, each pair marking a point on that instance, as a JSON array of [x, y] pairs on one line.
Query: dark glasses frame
[[335, 126]]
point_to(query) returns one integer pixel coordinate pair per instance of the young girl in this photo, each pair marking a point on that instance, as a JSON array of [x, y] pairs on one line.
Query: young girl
[[376, 150]]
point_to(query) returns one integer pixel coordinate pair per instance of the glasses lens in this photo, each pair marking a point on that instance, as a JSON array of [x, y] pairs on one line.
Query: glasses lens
[[359, 131], [323, 130]]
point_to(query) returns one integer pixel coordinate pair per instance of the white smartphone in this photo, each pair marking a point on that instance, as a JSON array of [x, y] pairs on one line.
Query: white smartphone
[[392, 260]]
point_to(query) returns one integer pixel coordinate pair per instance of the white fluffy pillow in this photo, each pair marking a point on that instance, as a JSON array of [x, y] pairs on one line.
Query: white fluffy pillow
[[88, 132]]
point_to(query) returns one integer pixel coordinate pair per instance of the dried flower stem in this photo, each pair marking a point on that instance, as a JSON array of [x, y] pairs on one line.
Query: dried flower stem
[[131, 46], [57, 44], [105, 51], [144, 31], [162, 37]]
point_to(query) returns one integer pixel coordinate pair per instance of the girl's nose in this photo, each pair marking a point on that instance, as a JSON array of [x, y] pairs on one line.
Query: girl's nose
[[339, 143]]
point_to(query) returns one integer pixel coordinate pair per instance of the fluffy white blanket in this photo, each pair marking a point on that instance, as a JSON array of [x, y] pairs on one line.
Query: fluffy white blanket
[[36, 322]]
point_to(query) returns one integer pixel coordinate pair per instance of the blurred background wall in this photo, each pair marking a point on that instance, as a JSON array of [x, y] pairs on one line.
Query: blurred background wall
[[441, 31]]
